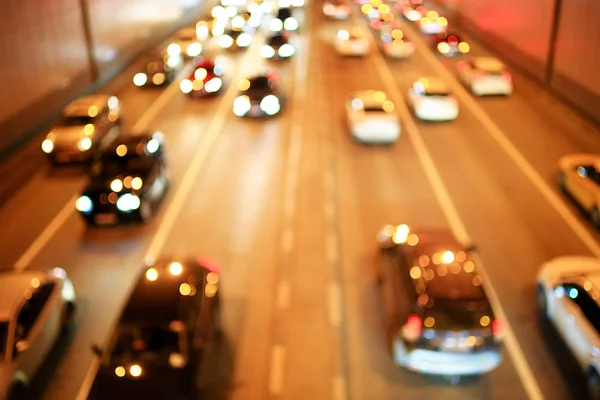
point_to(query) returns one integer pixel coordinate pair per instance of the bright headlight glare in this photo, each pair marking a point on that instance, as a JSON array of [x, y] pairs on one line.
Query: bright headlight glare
[[287, 50], [225, 41], [290, 24], [194, 49], [213, 85], [267, 51], [186, 86], [152, 146], [140, 79], [174, 50], [241, 105], [84, 204], [159, 78], [128, 202], [276, 25], [244, 40], [47, 146], [84, 144], [270, 105]]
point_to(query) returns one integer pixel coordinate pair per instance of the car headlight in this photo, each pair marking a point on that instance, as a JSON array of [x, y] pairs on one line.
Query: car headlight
[[173, 50], [47, 146], [194, 49], [270, 105], [290, 24], [140, 79], [276, 25], [84, 204], [225, 41], [84, 144], [267, 51], [244, 40], [213, 85], [186, 86], [128, 202], [287, 50], [158, 78], [241, 105]]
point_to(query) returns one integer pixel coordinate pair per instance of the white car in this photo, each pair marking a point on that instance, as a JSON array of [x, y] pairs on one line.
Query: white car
[[568, 296], [371, 117], [413, 13], [353, 43], [35, 306], [485, 76], [398, 49], [432, 100], [185, 43], [432, 23], [336, 9]]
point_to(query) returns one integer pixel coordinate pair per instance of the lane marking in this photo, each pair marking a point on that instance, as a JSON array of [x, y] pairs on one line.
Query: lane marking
[[329, 211], [494, 130], [69, 208], [522, 367], [276, 370], [331, 248], [287, 240], [283, 295], [162, 232], [340, 391], [334, 301]]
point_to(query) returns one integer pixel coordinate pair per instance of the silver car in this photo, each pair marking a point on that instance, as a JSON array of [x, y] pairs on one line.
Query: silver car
[[35, 306]]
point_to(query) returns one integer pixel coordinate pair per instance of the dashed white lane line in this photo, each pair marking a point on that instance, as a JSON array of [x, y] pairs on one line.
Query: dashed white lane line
[[511, 344], [283, 295], [339, 391], [334, 303], [277, 364], [331, 247], [287, 240]]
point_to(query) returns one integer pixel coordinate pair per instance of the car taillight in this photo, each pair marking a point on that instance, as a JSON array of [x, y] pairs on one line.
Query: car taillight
[[479, 75], [498, 329], [412, 329], [507, 76]]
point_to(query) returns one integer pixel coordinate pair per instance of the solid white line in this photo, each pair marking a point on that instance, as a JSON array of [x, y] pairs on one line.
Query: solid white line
[[331, 247], [339, 388], [176, 204], [512, 345], [536, 179], [334, 301], [283, 295], [276, 370]]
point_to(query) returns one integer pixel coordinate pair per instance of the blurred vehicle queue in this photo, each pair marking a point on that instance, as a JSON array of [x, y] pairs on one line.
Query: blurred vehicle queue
[[444, 325]]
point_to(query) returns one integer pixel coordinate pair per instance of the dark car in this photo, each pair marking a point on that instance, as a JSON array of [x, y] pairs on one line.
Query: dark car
[[278, 46], [439, 317], [157, 70], [206, 80], [284, 21], [159, 347], [449, 44], [127, 183], [259, 96], [87, 124]]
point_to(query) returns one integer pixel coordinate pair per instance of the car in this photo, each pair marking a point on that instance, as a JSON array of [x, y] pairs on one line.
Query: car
[[432, 23], [127, 183], [259, 96], [485, 76], [568, 295], [413, 12], [170, 324], [352, 43], [205, 27], [284, 21], [336, 9], [579, 177], [36, 307], [185, 43], [432, 100], [207, 78], [395, 45], [450, 44], [235, 38], [157, 70], [278, 46], [439, 318], [371, 117], [382, 20], [291, 3], [87, 124]]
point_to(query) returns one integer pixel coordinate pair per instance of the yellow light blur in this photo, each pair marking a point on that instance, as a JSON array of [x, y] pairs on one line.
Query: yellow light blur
[[424, 82], [379, 96], [152, 274], [200, 73], [136, 183], [175, 268], [210, 290], [442, 270], [120, 371], [436, 258], [423, 260], [415, 272], [471, 341], [127, 182], [397, 34], [464, 47], [197, 85], [366, 8], [477, 280], [461, 256], [448, 257], [432, 14], [159, 78], [429, 274], [93, 111], [88, 129], [423, 299], [121, 150], [425, 21], [213, 278], [587, 285], [401, 234], [384, 9], [442, 21], [455, 268], [375, 3], [443, 47], [35, 283], [135, 370], [388, 106], [429, 322], [484, 321], [185, 289], [116, 185], [412, 239], [244, 85], [469, 266], [389, 230]]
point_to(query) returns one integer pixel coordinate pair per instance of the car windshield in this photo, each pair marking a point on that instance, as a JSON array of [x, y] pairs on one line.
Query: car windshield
[[277, 40], [284, 14], [261, 82], [460, 287], [114, 165], [76, 120], [144, 342], [3, 338]]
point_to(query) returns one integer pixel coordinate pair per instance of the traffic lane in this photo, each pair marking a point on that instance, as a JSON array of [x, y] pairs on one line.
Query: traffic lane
[[380, 185], [514, 227]]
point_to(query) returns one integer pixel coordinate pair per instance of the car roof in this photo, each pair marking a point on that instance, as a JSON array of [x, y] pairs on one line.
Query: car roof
[[81, 106], [13, 286], [135, 143], [488, 64], [432, 85]]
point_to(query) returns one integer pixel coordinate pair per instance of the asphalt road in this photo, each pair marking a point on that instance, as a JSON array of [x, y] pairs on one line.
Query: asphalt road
[[289, 208]]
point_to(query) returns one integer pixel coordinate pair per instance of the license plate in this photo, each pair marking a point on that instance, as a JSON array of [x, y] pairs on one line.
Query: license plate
[[255, 109], [454, 345], [105, 219]]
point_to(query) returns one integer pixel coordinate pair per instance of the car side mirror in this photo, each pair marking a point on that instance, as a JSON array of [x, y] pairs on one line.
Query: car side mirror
[[22, 346], [97, 350]]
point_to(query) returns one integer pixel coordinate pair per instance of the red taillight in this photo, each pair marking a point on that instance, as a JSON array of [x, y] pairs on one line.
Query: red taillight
[[498, 329], [507, 76], [412, 328]]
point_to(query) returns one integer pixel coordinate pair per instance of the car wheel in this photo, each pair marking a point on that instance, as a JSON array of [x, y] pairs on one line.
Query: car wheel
[[593, 384], [595, 216], [562, 181], [542, 301]]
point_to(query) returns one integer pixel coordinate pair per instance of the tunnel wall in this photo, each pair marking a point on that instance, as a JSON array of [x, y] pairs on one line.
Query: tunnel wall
[[555, 41]]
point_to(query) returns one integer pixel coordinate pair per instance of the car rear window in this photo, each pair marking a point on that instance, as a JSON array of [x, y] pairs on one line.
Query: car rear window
[[460, 286], [139, 341]]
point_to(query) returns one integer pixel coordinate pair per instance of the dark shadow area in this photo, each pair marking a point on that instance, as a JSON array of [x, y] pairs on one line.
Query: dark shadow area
[[67, 170], [122, 238], [215, 380]]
